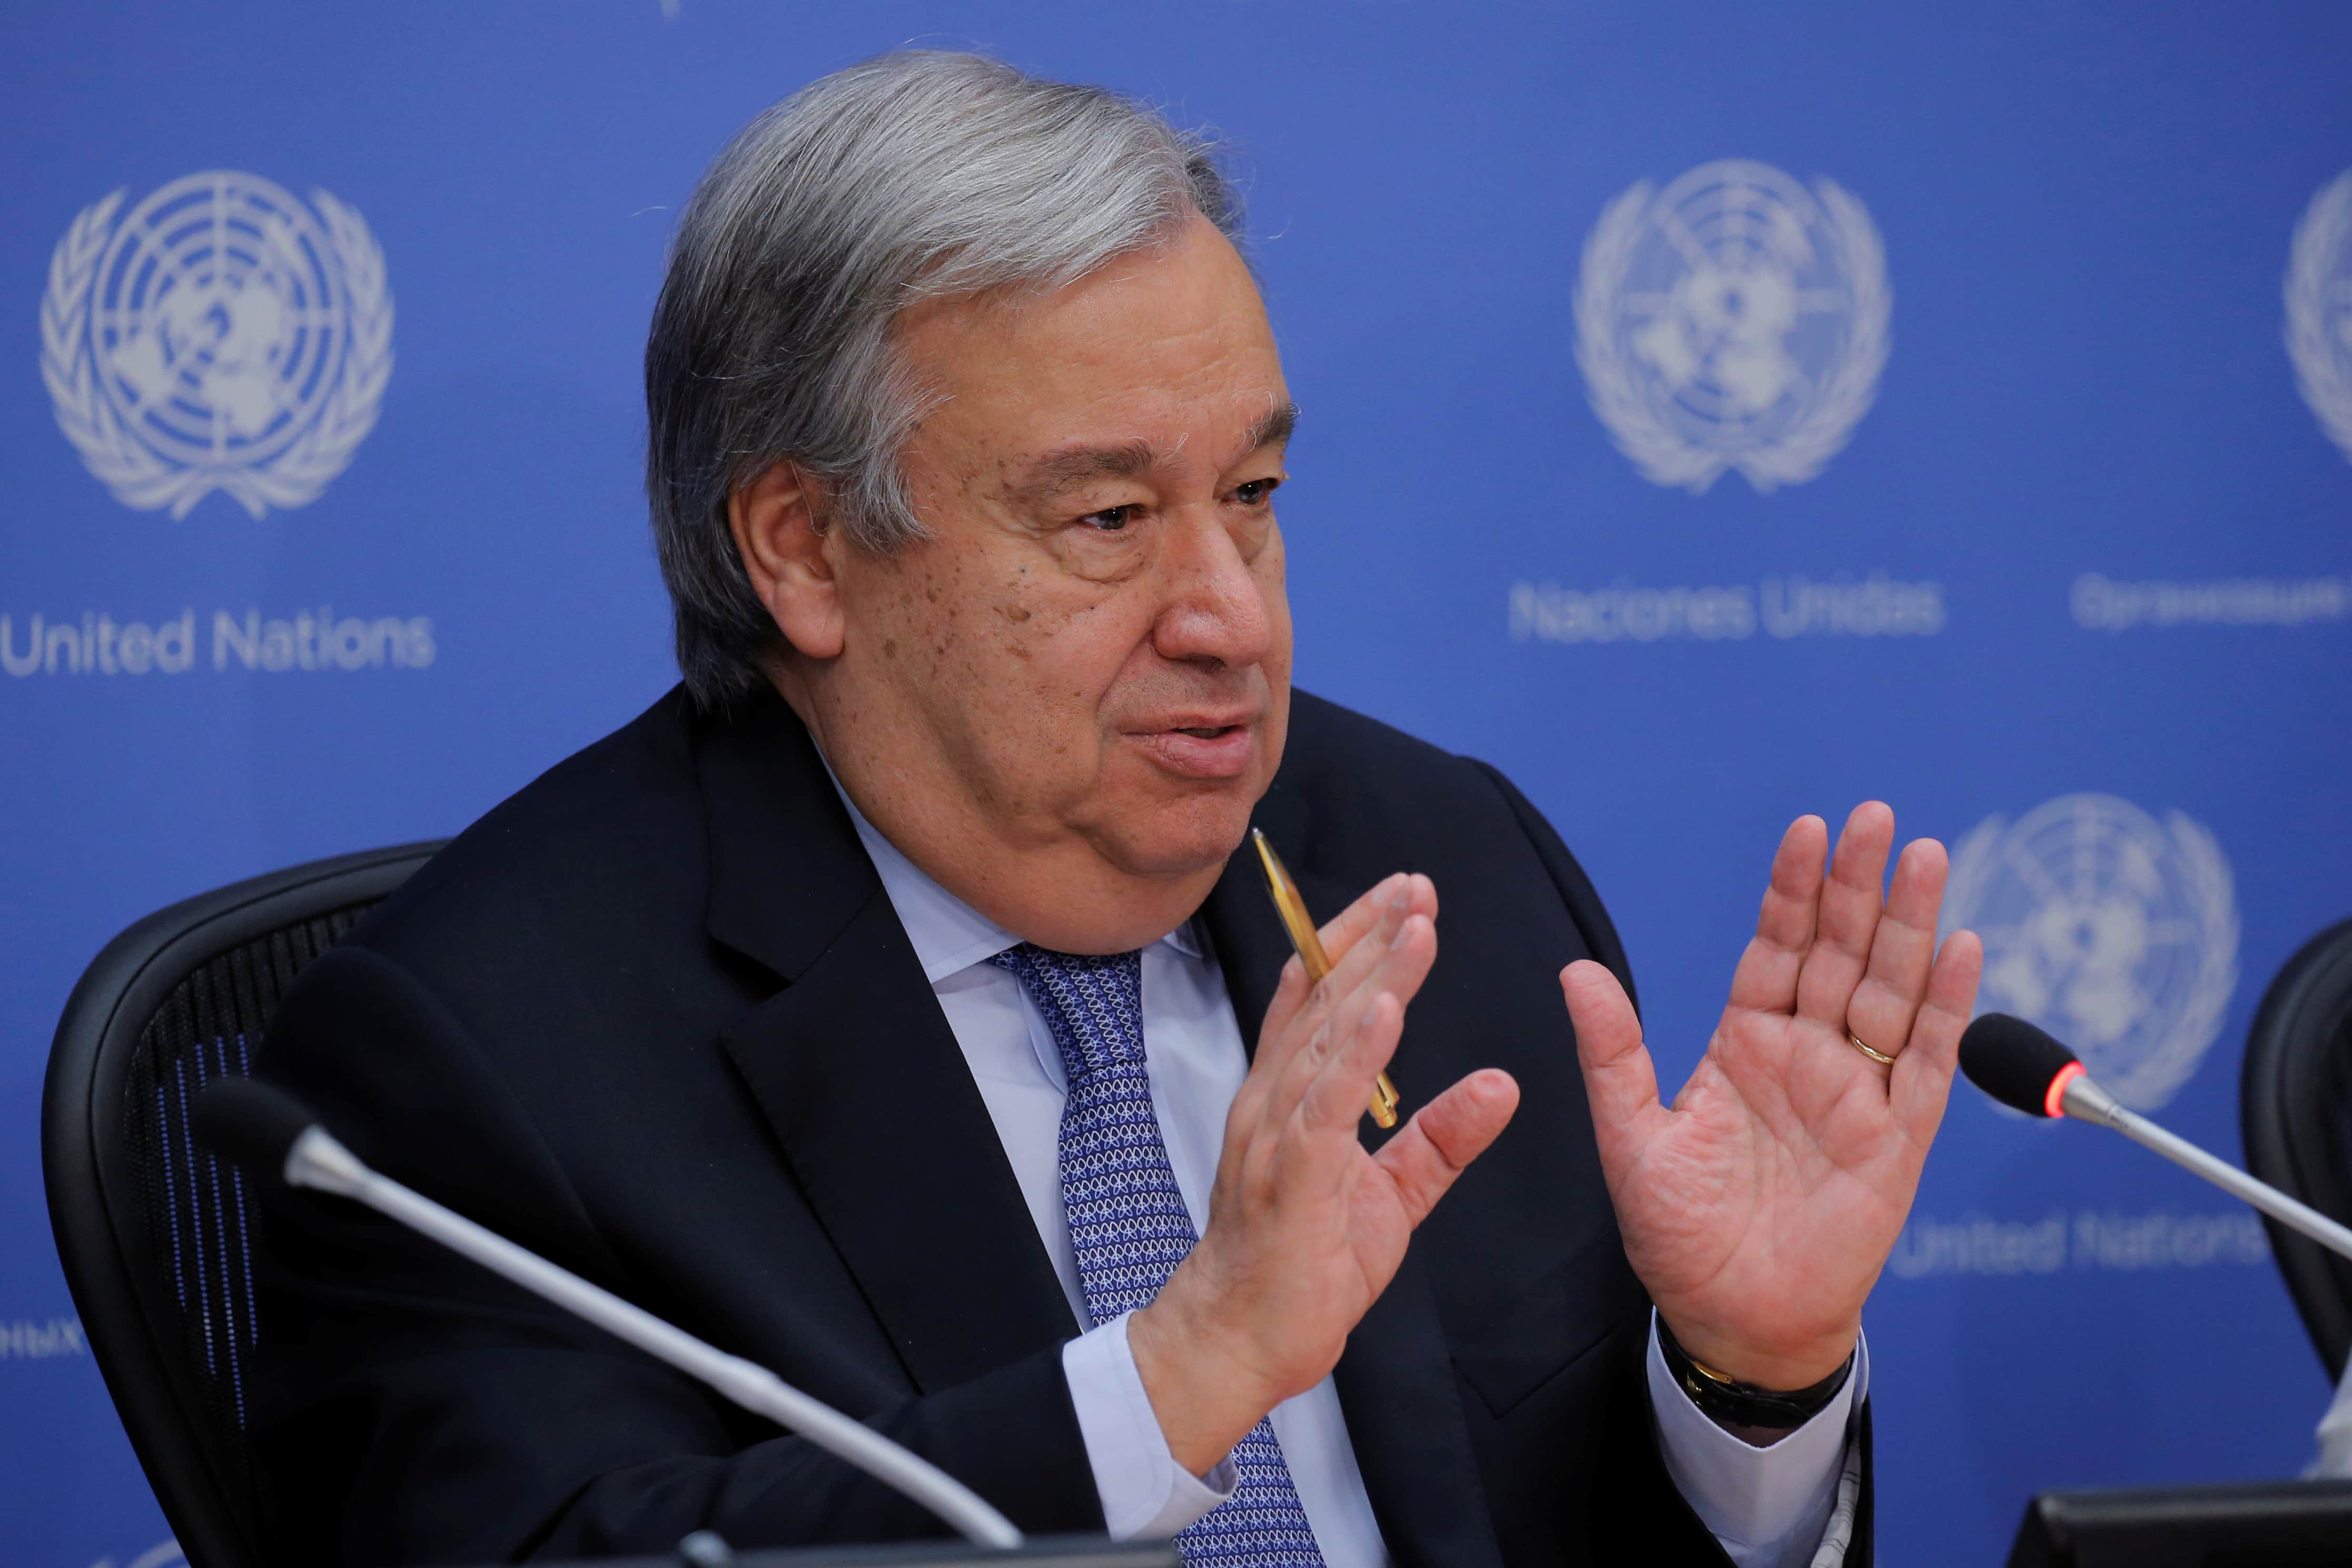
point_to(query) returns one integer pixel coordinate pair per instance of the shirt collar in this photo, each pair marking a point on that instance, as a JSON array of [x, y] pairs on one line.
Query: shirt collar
[[949, 935]]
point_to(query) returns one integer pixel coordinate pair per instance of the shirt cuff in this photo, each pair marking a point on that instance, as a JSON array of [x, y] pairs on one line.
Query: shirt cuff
[[1145, 1492], [1769, 1507]]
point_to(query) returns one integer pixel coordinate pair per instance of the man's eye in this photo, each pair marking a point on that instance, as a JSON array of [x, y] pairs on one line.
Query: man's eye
[[1257, 492], [1111, 519]]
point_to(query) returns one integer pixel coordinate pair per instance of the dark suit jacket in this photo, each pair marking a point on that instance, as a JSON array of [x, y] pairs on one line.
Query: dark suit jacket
[[656, 1017]]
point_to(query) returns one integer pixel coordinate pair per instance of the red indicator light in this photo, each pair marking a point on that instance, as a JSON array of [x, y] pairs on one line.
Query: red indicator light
[[2053, 1103]]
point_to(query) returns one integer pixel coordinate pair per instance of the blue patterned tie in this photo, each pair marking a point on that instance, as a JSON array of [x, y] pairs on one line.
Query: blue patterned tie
[[1129, 1227]]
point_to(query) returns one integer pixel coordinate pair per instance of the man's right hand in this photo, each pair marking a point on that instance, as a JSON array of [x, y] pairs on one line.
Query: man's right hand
[[1306, 1228]]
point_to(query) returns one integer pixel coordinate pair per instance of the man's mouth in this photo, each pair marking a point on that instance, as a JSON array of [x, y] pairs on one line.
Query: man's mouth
[[1202, 750]]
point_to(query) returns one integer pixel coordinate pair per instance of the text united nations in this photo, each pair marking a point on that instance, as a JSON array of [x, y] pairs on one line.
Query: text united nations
[[98, 644]]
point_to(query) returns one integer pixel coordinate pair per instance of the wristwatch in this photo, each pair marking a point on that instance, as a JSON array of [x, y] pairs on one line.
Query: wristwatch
[[1728, 1402]]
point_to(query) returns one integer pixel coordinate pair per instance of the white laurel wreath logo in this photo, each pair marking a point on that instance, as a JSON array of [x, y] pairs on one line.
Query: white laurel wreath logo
[[1820, 432], [2319, 366], [2167, 1063], [142, 477]]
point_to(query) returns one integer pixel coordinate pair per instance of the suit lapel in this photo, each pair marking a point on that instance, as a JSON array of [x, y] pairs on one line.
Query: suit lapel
[[1396, 1383], [1249, 940], [857, 1072]]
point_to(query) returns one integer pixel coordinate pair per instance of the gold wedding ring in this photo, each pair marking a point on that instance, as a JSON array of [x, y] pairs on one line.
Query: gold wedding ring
[[1879, 1057], [1310, 946]]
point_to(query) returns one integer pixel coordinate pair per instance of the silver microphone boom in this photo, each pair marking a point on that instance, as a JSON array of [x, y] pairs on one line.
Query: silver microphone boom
[[2086, 1102], [316, 1160]]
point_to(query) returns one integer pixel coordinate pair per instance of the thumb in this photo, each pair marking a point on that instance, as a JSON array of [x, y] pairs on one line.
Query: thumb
[[1620, 1080], [1444, 1137]]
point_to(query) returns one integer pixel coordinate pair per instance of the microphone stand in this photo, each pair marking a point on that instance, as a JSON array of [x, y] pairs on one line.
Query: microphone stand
[[2086, 1102], [318, 1161]]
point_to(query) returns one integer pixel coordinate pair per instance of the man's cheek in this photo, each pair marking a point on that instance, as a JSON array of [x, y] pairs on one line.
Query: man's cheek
[[1077, 647], [1015, 630]]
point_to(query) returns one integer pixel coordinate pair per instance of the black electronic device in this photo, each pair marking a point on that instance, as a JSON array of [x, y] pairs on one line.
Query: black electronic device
[[2257, 1525]]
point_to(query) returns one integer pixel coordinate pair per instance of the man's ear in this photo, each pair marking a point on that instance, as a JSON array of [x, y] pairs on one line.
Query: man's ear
[[778, 520]]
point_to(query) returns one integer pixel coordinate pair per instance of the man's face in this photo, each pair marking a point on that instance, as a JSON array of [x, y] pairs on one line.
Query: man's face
[[1089, 659]]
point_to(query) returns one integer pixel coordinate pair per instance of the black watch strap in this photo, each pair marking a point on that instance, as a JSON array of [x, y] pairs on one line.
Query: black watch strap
[[1731, 1403]]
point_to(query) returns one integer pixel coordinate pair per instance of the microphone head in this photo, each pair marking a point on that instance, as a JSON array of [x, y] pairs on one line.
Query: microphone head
[[2019, 1065], [251, 1124]]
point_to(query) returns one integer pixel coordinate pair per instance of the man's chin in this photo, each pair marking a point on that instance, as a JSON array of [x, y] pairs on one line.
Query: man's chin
[[1185, 838]]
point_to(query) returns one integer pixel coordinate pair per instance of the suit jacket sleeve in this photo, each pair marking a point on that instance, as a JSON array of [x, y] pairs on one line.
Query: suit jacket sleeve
[[411, 1408]]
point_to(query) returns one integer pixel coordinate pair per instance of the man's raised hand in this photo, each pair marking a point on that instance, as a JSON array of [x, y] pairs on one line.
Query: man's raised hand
[[1759, 1208], [1306, 1228]]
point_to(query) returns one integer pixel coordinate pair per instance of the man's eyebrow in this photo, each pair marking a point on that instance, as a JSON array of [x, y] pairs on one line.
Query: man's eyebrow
[[1058, 471], [1273, 428]]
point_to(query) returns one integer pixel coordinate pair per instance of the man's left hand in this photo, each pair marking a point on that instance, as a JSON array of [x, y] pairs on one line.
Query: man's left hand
[[1759, 1208]]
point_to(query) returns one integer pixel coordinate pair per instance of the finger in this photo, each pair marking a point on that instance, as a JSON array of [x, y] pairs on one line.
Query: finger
[[1885, 1003], [1365, 1036], [1620, 1080], [1850, 904], [1353, 922], [1766, 978], [1395, 955], [1334, 1025], [1379, 913], [1437, 1145], [1364, 1032], [1289, 996], [1922, 1075]]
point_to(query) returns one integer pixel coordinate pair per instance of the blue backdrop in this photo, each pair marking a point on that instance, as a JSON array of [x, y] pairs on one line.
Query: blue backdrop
[[1713, 413]]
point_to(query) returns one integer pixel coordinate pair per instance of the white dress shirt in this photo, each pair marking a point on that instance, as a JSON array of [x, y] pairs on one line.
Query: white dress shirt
[[1770, 1508]]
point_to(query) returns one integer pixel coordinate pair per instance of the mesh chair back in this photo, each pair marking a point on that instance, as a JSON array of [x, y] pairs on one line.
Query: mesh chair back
[[153, 1230], [2294, 1107], [195, 1207]]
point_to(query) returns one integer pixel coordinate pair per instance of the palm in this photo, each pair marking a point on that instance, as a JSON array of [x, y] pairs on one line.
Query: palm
[[1350, 1214], [1761, 1206]]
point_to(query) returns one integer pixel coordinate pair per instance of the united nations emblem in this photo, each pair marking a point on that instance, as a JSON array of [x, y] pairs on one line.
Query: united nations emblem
[[2115, 932], [221, 336], [2319, 309], [1733, 320]]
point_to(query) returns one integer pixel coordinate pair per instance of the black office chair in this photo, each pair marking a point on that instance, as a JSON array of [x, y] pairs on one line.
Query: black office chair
[[2294, 1104], [152, 1229]]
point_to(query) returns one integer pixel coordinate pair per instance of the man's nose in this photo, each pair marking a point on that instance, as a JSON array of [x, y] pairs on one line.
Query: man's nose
[[1214, 609]]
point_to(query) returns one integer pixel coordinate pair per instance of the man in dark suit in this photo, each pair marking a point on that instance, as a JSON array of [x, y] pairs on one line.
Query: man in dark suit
[[897, 1005]]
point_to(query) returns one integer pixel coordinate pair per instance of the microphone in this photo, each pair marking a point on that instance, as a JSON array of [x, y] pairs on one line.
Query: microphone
[[272, 1136], [2026, 1069]]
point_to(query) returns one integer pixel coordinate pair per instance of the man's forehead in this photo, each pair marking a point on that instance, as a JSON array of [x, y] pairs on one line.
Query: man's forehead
[[1045, 472]]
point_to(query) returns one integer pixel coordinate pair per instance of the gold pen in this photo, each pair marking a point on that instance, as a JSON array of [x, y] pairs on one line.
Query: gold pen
[[1303, 936]]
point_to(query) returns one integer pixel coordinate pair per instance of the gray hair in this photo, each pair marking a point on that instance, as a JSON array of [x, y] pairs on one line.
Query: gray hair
[[911, 177]]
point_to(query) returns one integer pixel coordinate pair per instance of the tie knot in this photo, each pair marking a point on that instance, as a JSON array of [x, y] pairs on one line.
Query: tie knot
[[1093, 1003]]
